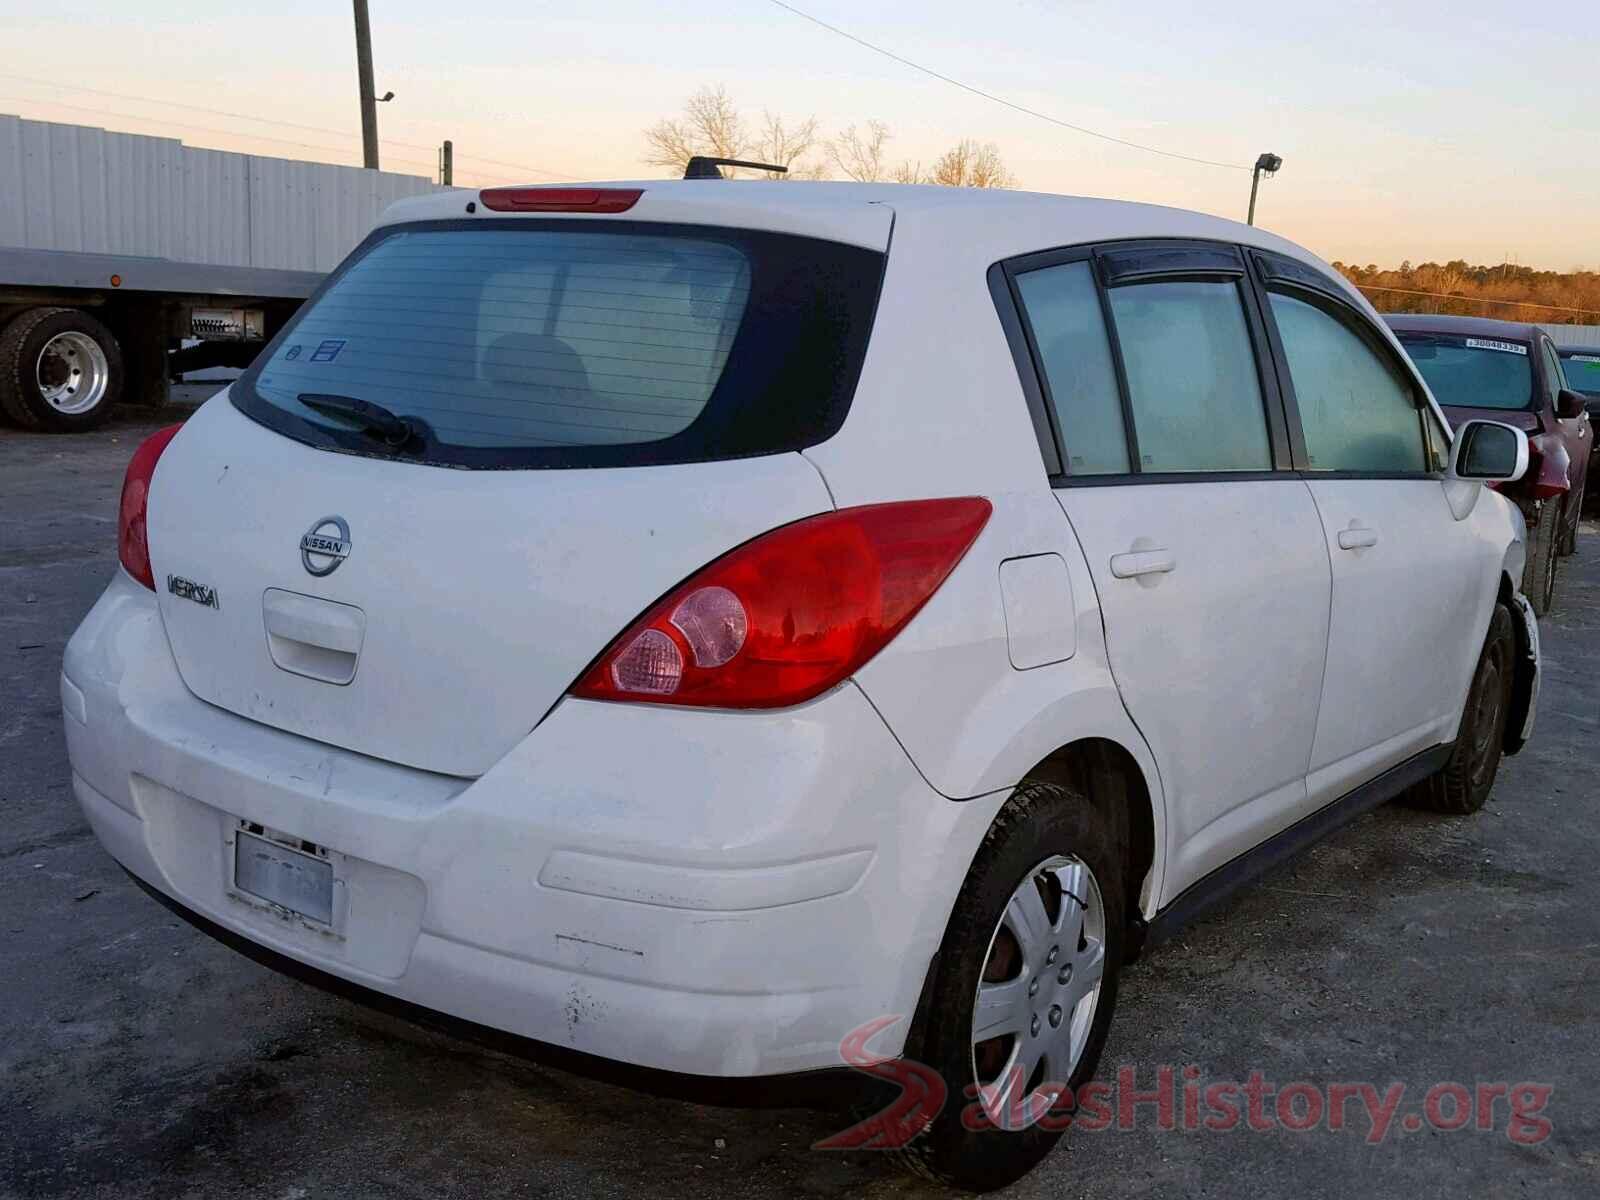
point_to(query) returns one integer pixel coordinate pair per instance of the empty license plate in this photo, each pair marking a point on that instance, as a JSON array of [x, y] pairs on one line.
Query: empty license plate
[[299, 882]]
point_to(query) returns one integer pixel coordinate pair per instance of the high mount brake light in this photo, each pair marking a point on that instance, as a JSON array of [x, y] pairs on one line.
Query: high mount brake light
[[565, 200], [133, 546], [792, 613]]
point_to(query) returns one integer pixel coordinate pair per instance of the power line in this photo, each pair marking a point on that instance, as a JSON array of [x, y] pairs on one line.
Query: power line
[[1369, 287], [217, 112], [1021, 108]]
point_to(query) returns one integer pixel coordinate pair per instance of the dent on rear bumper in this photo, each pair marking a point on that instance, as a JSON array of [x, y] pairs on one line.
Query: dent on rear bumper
[[712, 893]]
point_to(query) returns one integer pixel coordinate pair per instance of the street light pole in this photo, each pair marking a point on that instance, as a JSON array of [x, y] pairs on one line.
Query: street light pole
[[1268, 163], [369, 100]]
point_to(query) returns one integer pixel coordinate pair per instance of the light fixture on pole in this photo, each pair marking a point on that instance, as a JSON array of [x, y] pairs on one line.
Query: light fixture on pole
[[1269, 164]]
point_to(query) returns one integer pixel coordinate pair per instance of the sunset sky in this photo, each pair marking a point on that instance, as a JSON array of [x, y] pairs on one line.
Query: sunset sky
[[1420, 130]]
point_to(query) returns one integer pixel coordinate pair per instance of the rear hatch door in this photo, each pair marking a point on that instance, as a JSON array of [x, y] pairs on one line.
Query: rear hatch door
[[596, 414]]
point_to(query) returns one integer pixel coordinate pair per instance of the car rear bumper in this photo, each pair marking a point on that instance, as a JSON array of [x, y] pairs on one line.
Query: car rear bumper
[[711, 894]]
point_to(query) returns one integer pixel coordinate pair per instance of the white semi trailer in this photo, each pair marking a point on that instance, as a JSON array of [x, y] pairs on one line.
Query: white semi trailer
[[117, 248]]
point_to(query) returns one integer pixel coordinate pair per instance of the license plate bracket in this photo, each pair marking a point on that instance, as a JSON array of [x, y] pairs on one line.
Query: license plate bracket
[[283, 877]]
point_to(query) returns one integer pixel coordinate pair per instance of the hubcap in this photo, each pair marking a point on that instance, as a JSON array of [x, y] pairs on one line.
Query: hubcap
[[1039, 990], [72, 372]]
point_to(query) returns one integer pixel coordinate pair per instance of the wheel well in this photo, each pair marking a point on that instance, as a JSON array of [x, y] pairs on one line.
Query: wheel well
[[1115, 786]]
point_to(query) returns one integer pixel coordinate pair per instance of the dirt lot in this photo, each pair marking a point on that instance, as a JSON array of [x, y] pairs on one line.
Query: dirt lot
[[139, 1059]]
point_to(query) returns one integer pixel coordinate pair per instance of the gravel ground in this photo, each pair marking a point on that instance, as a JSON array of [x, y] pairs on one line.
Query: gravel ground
[[137, 1058]]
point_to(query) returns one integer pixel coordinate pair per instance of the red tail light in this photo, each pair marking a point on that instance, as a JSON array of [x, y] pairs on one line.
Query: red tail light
[[550, 199], [133, 547], [787, 616]]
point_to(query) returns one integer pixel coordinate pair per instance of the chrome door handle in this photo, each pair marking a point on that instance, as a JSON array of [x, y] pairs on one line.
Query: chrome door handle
[[1357, 538], [1142, 562]]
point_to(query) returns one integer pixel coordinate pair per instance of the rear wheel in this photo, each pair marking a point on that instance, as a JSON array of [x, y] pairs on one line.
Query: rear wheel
[[1024, 989], [1539, 574], [60, 370], [1463, 783]]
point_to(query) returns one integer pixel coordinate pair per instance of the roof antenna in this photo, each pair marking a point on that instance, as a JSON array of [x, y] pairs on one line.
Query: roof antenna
[[702, 167]]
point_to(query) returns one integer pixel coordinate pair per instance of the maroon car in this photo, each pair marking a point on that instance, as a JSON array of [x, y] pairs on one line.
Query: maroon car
[[1503, 371]]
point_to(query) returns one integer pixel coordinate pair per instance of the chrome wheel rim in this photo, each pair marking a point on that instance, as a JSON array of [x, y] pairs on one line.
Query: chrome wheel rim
[[1038, 992], [72, 373]]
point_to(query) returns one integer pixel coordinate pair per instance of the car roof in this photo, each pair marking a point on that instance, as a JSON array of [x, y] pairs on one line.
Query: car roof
[[987, 224], [1472, 326]]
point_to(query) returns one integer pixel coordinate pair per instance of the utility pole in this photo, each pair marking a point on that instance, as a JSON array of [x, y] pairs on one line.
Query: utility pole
[[447, 165], [369, 101]]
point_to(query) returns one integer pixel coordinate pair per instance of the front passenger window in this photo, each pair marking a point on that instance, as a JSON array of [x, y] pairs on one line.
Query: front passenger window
[[1357, 411]]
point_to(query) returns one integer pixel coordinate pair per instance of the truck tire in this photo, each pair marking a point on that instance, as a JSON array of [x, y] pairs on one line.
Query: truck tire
[[1539, 574], [60, 370]]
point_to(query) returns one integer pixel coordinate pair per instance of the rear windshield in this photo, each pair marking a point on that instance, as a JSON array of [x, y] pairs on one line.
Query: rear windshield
[[1582, 369], [1472, 372], [543, 343]]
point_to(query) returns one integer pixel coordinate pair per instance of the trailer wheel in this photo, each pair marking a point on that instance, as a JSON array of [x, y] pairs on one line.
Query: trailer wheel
[[60, 370]]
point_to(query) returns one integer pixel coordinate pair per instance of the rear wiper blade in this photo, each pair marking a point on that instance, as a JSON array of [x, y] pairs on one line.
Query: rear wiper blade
[[375, 418]]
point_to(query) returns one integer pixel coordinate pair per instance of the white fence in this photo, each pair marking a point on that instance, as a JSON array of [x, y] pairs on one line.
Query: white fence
[[1574, 335]]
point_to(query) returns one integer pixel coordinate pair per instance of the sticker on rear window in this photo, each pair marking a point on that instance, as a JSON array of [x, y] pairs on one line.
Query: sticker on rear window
[[1591, 359], [329, 350], [1473, 343]]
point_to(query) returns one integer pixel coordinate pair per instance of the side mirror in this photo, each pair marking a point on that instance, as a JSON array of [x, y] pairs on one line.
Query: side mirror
[[1489, 452], [1570, 404]]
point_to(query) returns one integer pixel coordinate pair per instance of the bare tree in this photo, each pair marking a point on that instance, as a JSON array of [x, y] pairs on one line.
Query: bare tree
[[969, 164], [785, 144], [858, 155], [710, 125]]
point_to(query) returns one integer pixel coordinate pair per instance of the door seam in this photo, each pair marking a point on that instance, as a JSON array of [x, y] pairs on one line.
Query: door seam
[[1327, 641]]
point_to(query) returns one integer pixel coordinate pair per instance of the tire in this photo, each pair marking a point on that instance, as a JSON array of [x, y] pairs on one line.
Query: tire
[[60, 370], [1464, 782], [1539, 574], [1041, 824], [1572, 513]]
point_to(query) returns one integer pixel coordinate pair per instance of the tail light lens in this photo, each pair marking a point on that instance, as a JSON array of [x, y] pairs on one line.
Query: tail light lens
[[133, 546], [787, 616]]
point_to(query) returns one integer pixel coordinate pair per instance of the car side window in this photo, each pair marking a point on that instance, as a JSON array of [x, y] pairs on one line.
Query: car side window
[[1554, 377], [1358, 411], [1063, 308], [1193, 389]]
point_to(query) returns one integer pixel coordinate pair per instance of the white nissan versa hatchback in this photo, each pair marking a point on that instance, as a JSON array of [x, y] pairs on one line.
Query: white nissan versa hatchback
[[674, 626]]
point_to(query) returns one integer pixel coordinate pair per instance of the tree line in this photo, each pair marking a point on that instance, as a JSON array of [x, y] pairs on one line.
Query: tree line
[[1507, 292], [711, 124]]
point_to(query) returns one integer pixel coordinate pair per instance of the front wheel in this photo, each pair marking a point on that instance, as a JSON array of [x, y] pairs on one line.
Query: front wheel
[[1024, 988], [1539, 573], [1463, 783]]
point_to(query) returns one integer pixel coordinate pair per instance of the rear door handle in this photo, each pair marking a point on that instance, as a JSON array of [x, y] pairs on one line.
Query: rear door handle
[[1142, 562], [1357, 538]]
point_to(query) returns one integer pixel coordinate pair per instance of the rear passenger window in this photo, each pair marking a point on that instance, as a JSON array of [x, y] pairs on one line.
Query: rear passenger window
[[1063, 307], [1358, 412], [1192, 382]]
